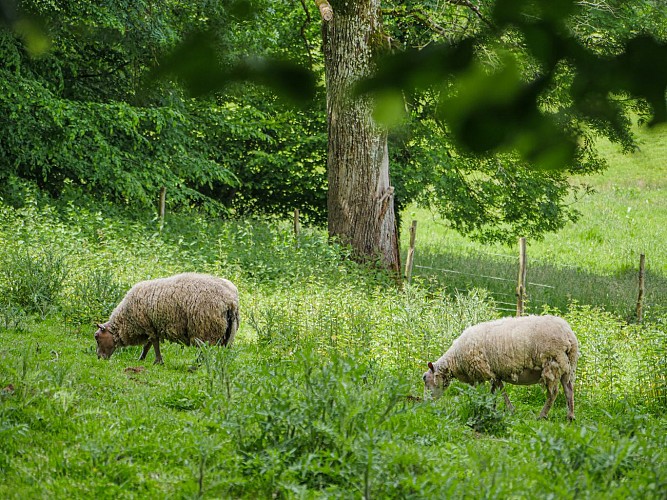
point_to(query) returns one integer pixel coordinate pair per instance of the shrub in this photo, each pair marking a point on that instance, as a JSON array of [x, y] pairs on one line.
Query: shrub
[[12, 317], [652, 368], [34, 280], [92, 298], [478, 410]]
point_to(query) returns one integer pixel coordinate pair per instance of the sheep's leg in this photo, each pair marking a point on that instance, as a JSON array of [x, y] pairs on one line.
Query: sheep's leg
[[144, 352], [568, 389], [498, 384], [552, 392], [158, 356]]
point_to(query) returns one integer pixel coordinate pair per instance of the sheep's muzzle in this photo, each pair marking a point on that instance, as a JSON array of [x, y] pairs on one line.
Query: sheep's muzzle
[[105, 342]]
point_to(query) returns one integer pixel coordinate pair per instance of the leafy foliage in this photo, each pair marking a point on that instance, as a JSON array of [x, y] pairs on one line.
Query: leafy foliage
[[33, 280], [92, 298], [533, 82], [503, 103], [77, 122], [277, 155], [479, 412], [86, 116], [543, 81]]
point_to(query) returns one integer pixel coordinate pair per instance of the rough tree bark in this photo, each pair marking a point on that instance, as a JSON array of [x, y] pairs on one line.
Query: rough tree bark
[[360, 199]]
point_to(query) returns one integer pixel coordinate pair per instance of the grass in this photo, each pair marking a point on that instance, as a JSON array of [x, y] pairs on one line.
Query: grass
[[321, 394], [594, 261], [308, 419]]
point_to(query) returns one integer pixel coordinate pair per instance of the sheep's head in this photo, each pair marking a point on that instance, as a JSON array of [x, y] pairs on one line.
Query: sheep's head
[[436, 381], [105, 342]]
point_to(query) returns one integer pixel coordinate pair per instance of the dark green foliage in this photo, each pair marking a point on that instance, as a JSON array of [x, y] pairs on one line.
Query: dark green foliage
[[77, 123], [277, 155], [85, 117], [196, 63]]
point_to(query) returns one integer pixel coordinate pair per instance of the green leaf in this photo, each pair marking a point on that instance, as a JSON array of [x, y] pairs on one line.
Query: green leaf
[[196, 62]]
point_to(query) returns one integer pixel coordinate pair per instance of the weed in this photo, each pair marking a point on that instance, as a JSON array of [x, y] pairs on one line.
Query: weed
[[92, 298], [478, 409], [651, 371], [33, 280], [219, 367], [12, 317]]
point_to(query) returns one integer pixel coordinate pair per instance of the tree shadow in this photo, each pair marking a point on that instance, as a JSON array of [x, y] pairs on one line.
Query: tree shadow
[[547, 284]]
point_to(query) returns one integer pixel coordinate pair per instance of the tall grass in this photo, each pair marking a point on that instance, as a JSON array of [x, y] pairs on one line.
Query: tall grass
[[595, 261], [321, 394], [316, 420]]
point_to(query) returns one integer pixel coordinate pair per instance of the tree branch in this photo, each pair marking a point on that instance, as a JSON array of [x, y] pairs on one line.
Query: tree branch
[[303, 32], [474, 8], [325, 9], [103, 73], [423, 16]]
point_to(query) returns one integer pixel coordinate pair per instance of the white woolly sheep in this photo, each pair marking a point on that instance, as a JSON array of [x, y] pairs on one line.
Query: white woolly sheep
[[523, 351], [180, 308]]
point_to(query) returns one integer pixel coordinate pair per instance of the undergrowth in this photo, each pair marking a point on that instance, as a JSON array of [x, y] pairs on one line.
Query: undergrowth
[[320, 396]]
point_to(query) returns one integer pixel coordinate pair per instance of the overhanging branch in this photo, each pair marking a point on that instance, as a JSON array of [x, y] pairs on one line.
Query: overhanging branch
[[474, 8], [325, 9]]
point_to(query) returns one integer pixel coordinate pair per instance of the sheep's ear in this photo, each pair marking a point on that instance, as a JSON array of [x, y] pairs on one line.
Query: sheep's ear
[[101, 327], [430, 367]]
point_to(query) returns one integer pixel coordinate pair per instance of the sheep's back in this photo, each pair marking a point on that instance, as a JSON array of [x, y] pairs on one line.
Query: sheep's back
[[504, 348], [182, 307]]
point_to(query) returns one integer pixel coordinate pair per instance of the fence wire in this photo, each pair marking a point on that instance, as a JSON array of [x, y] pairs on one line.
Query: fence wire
[[499, 298]]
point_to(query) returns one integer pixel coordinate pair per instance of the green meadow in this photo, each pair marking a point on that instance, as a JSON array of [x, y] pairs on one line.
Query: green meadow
[[321, 395], [594, 261]]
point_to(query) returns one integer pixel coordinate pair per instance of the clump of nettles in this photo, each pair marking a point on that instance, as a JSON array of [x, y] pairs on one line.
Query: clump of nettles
[[478, 410], [12, 317]]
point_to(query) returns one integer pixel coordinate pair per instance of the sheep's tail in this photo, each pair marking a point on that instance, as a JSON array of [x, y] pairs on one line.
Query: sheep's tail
[[232, 325], [573, 357]]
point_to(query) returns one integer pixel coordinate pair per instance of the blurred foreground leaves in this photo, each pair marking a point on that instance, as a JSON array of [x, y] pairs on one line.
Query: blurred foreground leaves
[[197, 64], [495, 107]]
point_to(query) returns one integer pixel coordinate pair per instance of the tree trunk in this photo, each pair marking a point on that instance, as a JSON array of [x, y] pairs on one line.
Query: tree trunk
[[360, 199]]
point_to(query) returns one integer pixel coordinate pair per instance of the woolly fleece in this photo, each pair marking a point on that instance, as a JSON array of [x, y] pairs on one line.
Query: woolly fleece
[[524, 351], [180, 308]]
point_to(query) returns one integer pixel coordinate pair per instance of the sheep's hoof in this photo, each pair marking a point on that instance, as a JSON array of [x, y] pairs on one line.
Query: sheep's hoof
[[158, 362]]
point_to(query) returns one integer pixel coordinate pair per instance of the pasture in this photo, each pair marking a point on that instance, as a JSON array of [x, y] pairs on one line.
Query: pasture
[[321, 394]]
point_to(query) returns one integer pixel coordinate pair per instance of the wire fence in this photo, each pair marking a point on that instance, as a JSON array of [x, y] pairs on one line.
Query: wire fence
[[506, 283], [499, 298]]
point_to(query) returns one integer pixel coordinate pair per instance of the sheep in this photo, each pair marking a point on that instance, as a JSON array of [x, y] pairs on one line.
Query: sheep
[[524, 351], [182, 308]]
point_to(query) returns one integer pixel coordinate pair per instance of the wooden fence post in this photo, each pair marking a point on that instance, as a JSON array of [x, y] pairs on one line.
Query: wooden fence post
[[297, 224], [521, 285], [162, 206], [640, 297], [409, 262]]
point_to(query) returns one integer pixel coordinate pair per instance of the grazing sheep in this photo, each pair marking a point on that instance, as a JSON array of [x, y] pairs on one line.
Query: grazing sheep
[[181, 308], [524, 351]]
